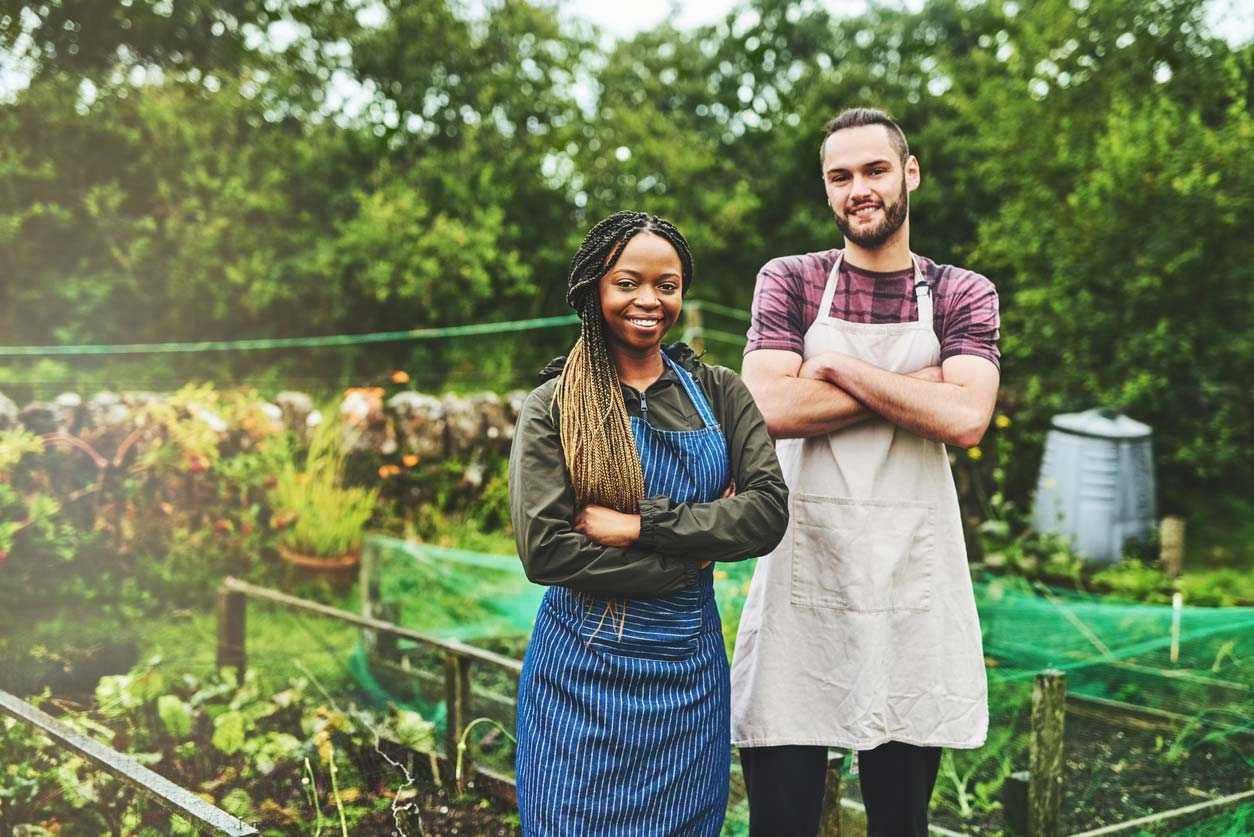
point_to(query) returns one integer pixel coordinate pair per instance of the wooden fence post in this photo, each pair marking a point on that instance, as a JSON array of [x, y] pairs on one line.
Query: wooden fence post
[[694, 329], [457, 710], [1171, 545], [1049, 706], [829, 821], [1014, 803], [232, 610]]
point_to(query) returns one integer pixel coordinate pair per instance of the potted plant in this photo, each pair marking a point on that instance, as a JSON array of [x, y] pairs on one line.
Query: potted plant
[[320, 519]]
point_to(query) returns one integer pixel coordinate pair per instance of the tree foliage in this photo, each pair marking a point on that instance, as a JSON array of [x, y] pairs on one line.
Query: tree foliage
[[181, 170]]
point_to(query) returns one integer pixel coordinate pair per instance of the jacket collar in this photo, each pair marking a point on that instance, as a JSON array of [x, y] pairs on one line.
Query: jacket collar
[[681, 353]]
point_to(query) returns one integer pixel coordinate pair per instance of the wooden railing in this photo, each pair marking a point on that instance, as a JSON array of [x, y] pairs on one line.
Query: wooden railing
[[458, 656], [173, 798]]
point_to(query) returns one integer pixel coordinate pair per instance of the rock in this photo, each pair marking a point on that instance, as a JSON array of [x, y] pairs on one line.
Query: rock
[[9, 414], [68, 407], [495, 426], [366, 427], [106, 411], [296, 408], [420, 423], [39, 417], [462, 424]]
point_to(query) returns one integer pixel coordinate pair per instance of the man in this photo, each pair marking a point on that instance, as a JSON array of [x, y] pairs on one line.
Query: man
[[860, 630]]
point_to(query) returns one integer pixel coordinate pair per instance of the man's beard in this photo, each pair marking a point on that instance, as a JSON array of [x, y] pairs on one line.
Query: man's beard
[[873, 238]]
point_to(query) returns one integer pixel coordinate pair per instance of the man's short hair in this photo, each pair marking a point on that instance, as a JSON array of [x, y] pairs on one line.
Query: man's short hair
[[861, 117]]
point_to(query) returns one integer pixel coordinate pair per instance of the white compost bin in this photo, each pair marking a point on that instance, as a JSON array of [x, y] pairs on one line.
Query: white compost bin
[[1096, 484]]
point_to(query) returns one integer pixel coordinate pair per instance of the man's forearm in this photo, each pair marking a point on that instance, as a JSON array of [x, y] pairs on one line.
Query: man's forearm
[[802, 407], [943, 412]]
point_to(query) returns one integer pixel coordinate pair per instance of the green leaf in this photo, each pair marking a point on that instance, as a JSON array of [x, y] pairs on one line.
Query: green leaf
[[228, 732], [175, 715]]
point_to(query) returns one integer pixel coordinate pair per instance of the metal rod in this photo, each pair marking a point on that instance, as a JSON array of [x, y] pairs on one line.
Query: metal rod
[[169, 795], [449, 645]]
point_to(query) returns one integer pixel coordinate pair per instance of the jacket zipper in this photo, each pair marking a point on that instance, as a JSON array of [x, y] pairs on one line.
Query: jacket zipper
[[644, 408]]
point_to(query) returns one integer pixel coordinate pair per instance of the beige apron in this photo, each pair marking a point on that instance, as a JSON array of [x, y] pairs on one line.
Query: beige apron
[[860, 628]]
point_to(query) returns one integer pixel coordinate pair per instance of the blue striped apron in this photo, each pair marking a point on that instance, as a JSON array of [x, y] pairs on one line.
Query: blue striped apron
[[624, 720]]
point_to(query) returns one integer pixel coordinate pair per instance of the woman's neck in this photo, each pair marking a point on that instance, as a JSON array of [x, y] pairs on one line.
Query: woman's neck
[[638, 369]]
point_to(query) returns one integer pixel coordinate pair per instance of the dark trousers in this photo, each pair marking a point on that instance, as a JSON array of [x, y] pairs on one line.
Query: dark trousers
[[785, 788]]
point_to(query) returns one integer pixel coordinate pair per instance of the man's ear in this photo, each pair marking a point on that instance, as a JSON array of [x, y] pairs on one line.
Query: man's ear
[[913, 176]]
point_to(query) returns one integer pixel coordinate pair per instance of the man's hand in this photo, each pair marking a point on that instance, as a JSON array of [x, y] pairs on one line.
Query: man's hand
[[607, 527], [950, 404], [816, 368]]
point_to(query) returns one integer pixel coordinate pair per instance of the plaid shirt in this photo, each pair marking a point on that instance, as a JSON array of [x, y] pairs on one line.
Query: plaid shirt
[[786, 303]]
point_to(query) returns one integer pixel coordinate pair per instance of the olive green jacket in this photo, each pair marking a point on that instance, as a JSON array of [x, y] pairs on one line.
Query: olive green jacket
[[674, 537]]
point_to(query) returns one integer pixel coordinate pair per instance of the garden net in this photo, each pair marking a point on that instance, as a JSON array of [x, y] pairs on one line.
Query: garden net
[[1160, 697]]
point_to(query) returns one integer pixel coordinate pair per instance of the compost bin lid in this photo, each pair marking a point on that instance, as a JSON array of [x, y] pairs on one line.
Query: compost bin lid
[[1103, 424]]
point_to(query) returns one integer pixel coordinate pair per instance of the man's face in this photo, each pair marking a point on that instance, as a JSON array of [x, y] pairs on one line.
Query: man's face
[[867, 186]]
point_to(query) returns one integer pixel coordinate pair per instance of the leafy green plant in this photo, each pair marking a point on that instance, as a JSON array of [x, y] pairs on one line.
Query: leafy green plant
[[316, 513]]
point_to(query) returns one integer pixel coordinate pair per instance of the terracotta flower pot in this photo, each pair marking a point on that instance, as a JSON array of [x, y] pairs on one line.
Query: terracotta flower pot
[[340, 571]]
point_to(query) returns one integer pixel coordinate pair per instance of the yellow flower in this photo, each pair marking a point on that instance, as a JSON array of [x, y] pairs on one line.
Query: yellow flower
[[975, 453], [410, 460], [386, 471], [400, 376], [1002, 421]]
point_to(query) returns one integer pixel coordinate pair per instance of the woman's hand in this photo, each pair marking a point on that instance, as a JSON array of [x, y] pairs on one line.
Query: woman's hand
[[607, 527]]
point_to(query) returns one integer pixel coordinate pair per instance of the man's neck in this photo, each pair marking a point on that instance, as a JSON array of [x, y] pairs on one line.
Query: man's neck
[[890, 256]]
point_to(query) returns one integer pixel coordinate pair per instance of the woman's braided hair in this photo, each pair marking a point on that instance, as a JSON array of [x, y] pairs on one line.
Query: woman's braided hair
[[595, 430]]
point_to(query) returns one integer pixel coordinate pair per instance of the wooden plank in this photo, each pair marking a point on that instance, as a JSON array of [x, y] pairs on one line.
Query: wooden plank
[[446, 645], [170, 796], [1049, 709], [457, 710], [232, 619], [1177, 816], [1127, 715]]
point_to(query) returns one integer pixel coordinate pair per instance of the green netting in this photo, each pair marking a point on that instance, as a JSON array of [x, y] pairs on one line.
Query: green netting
[[1238, 823], [1118, 657]]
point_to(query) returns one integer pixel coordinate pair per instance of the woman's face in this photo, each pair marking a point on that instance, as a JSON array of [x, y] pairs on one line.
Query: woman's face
[[642, 295]]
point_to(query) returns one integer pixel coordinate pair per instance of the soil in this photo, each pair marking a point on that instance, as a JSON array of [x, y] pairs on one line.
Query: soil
[[1112, 775]]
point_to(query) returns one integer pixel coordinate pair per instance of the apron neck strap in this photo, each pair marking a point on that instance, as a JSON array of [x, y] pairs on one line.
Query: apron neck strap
[[694, 392], [922, 291]]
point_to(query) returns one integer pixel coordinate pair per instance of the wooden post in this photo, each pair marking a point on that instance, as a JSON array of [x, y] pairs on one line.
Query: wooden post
[[369, 593], [1049, 705], [232, 608], [829, 820], [1014, 801], [1171, 545], [385, 641], [694, 328], [457, 710]]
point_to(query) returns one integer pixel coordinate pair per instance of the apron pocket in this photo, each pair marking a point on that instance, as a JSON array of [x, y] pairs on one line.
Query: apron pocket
[[870, 556], [659, 629]]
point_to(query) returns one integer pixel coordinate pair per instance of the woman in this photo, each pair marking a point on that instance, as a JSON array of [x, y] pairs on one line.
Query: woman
[[633, 469]]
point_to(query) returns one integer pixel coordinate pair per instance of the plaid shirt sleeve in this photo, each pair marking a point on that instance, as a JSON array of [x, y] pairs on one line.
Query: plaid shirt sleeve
[[778, 320], [972, 320]]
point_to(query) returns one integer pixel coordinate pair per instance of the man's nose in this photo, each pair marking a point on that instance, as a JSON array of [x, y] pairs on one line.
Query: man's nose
[[859, 187]]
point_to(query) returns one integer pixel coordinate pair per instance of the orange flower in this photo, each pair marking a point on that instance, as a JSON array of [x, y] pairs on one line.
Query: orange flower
[[386, 471], [400, 376], [410, 460]]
